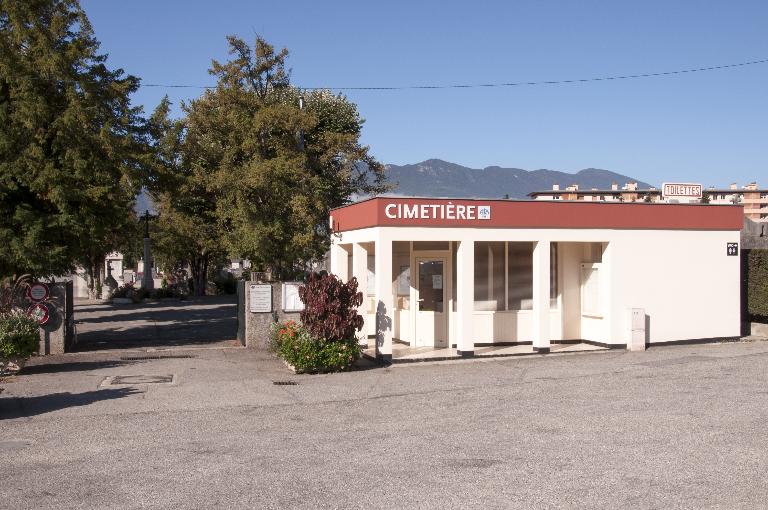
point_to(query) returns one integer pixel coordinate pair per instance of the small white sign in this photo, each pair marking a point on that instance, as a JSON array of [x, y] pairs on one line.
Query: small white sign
[[483, 212], [291, 300], [261, 298], [437, 281], [681, 189]]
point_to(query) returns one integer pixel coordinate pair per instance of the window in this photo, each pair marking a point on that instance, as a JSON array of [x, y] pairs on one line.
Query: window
[[489, 276], [371, 287], [520, 276]]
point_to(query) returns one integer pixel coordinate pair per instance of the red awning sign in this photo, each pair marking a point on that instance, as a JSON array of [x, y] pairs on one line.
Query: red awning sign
[[38, 292], [39, 312]]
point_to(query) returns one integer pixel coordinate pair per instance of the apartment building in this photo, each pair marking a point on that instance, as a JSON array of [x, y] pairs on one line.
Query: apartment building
[[751, 197]]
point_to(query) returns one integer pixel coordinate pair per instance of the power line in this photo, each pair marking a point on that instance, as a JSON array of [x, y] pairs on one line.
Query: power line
[[495, 85]]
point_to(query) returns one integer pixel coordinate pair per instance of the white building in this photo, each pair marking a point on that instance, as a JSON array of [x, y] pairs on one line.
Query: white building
[[467, 273]]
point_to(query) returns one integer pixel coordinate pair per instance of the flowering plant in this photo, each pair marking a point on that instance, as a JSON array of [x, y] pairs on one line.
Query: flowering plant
[[294, 343]]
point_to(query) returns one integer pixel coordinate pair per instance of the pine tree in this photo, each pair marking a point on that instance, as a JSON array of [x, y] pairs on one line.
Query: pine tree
[[71, 145]]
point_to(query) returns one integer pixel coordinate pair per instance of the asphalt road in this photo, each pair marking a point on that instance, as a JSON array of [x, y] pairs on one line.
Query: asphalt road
[[209, 320], [673, 427]]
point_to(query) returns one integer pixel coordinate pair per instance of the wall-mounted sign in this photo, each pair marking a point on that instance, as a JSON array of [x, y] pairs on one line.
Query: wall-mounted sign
[[732, 249], [681, 190], [260, 298], [38, 292], [291, 300], [40, 313], [447, 211]]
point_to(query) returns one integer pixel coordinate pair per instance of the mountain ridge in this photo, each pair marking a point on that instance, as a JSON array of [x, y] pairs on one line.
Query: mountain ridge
[[436, 177]]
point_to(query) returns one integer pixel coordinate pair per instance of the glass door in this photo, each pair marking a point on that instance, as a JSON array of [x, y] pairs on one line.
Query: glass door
[[431, 295]]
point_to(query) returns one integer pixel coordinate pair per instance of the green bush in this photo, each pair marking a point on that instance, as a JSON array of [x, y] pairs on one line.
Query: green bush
[[292, 342], [19, 335], [757, 285]]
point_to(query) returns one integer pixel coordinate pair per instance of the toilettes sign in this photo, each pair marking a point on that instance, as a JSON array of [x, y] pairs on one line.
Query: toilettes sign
[[681, 190], [444, 211]]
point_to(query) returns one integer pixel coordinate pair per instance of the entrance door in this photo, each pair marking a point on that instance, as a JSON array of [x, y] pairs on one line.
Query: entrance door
[[431, 293]]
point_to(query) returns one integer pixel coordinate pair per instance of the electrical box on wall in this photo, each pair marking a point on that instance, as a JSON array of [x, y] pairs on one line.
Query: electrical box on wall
[[637, 325]]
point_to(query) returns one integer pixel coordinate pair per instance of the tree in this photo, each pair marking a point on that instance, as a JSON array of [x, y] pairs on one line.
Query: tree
[[288, 166], [70, 143], [187, 232], [259, 174]]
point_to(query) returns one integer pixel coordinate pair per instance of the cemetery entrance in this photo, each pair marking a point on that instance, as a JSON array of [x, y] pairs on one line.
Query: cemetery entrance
[[162, 324]]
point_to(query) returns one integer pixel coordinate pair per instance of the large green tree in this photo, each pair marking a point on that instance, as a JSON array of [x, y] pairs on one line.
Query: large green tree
[[70, 143], [265, 172], [186, 232]]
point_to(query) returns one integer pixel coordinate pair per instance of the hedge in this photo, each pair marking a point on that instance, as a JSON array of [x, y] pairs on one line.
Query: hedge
[[757, 285]]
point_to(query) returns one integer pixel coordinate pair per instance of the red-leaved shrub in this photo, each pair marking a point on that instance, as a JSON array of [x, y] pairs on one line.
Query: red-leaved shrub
[[330, 307]]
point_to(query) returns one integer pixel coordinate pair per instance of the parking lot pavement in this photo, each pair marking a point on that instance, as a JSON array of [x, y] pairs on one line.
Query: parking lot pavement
[[672, 427]]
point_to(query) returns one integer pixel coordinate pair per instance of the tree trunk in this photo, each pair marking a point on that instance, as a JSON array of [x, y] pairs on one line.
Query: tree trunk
[[93, 270], [199, 268]]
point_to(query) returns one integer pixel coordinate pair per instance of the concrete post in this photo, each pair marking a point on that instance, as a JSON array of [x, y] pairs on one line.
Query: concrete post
[[384, 299], [541, 284], [465, 298]]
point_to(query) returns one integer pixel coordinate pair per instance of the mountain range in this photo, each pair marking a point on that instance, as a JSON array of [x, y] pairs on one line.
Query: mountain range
[[438, 178]]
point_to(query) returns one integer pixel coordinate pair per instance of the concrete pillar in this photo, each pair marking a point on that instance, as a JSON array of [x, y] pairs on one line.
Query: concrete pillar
[[339, 261], [384, 298], [541, 296], [360, 271], [465, 298]]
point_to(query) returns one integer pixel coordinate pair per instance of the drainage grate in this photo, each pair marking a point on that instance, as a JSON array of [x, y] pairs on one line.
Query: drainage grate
[[141, 379], [157, 356], [284, 383]]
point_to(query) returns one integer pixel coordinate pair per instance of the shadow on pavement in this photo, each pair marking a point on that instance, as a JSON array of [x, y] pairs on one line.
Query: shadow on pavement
[[19, 407], [210, 320], [73, 366], [165, 314]]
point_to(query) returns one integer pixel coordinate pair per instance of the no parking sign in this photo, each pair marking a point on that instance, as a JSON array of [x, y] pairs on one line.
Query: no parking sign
[[39, 312]]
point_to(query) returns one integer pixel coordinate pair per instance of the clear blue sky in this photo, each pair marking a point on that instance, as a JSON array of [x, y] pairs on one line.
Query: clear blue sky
[[709, 127]]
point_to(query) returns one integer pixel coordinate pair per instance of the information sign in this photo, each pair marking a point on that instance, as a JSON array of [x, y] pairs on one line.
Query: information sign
[[261, 298]]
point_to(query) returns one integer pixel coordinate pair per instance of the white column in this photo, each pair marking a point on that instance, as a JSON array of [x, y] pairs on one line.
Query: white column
[[541, 296], [339, 261], [360, 271], [384, 299], [465, 298], [610, 303]]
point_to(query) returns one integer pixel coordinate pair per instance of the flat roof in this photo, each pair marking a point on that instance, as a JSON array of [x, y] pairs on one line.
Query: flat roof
[[449, 212], [645, 190]]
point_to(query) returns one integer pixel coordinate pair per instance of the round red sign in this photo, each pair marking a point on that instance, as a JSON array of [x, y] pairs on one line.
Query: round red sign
[[39, 312], [38, 292]]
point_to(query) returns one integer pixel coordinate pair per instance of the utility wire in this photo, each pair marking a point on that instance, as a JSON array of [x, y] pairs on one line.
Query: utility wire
[[492, 85]]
